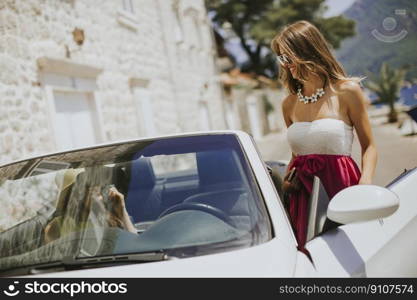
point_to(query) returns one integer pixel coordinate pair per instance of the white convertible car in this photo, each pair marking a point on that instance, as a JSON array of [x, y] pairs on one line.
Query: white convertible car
[[201, 204]]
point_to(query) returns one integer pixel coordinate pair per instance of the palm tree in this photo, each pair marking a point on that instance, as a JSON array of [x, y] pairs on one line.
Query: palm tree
[[387, 87]]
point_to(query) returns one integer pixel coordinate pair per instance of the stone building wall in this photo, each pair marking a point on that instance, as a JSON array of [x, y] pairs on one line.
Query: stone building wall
[[162, 46]]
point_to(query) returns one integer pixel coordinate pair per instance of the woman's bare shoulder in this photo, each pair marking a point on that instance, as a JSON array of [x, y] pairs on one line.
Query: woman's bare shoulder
[[288, 102], [287, 108], [347, 86], [352, 95]]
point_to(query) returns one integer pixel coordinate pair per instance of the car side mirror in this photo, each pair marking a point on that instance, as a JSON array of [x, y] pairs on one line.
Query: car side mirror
[[359, 203]]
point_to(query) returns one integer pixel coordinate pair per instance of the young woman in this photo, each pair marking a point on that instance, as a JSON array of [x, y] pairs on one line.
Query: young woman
[[323, 107], [67, 218]]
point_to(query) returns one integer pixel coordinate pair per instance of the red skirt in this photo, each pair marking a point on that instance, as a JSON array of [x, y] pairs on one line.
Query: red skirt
[[336, 172]]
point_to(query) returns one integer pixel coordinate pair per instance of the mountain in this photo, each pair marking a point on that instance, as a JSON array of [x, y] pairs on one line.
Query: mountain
[[386, 30]]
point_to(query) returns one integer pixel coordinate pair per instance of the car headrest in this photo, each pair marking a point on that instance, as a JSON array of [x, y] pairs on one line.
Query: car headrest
[[217, 167], [75, 184], [142, 174], [65, 181], [66, 178]]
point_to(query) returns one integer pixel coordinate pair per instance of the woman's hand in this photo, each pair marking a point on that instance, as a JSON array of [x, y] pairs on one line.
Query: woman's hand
[[119, 208], [291, 182], [364, 180], [117, 201]]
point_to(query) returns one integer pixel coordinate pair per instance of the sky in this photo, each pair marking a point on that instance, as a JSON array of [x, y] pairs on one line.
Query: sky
[[336, 7]]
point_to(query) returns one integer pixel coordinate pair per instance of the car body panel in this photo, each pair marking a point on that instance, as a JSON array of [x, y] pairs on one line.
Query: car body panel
[[397, 257], [263, 260], [375, 248], [379, 248], [280, 221]]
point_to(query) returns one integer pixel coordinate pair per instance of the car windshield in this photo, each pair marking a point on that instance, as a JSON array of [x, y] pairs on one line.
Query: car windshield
[[188, 196]]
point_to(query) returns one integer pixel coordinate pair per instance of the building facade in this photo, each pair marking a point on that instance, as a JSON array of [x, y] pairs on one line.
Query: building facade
[[82, 72]]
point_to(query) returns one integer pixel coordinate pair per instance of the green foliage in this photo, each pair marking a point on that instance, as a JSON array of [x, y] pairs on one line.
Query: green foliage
[[267, 105], [261, 20], [387, 87], [365, 53], [336, 29]]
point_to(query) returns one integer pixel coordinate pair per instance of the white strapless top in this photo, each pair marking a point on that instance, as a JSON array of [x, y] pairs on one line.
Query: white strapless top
[[322, 136]]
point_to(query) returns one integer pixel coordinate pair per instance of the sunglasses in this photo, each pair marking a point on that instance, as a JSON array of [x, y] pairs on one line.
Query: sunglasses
[[284, 60]]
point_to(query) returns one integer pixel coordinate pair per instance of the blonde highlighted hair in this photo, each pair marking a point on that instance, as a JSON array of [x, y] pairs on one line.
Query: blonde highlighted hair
[[303, 43]]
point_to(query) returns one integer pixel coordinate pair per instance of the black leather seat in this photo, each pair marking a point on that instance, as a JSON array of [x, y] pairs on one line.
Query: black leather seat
[[143, 201], [221, 185], [218, 170]]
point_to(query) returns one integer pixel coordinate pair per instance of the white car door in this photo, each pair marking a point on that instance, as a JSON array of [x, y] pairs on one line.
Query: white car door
[[347, 250], [379, 248]]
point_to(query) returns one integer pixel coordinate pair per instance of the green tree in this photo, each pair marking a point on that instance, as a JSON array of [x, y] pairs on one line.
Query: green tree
[[255, 23], [387, 87]]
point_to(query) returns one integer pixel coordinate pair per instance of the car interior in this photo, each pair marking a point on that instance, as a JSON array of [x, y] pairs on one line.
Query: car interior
[[277, 171], [317, 211], [318, 200], [148, 197]]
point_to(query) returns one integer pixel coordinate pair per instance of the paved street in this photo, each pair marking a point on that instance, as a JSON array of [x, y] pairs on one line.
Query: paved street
[[395, 152]]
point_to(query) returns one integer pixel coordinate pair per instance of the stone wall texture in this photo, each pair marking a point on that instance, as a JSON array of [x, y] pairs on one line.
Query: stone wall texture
[[165, 46]]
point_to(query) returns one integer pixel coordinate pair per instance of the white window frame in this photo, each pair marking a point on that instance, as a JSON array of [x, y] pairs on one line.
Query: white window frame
[[192, 27], [178, 27], [74, 71], [143, 84], [126, 15], [128, 6], [203, 104], [50, 90]]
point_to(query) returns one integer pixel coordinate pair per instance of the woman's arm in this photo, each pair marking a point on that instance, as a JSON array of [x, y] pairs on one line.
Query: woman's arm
[[356, 104]]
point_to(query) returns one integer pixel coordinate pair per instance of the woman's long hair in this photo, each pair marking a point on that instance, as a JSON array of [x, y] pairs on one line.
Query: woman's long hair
[[303, 43]]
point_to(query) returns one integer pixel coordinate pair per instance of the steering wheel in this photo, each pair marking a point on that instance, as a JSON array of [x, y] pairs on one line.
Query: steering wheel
[[201, 207]]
